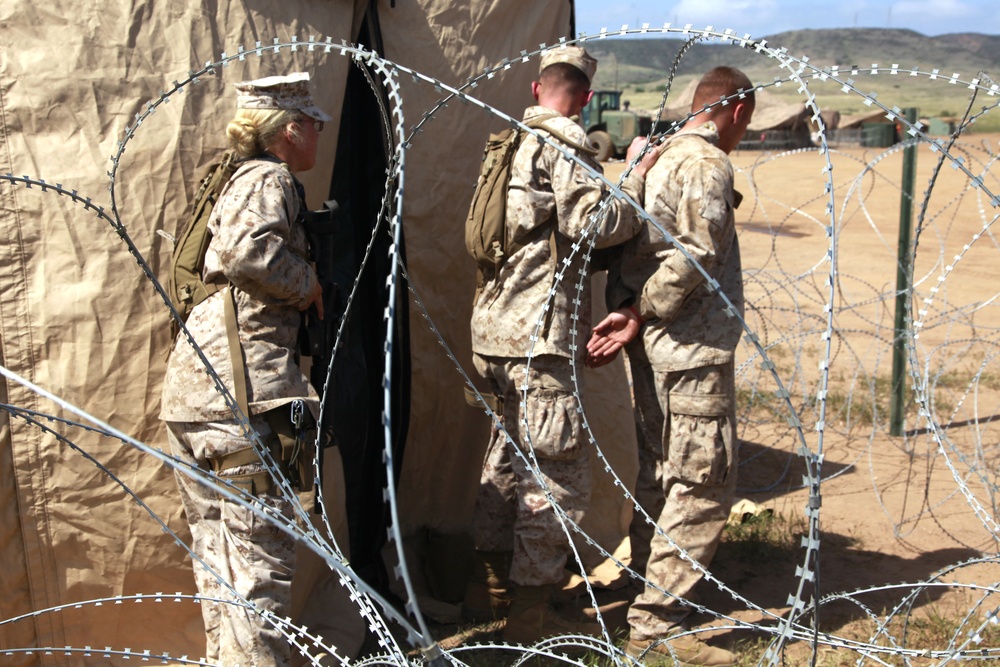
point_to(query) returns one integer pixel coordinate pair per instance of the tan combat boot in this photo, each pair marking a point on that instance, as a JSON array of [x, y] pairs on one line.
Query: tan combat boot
[[688, 651], [487, 595], [532, 618], [571, 587]]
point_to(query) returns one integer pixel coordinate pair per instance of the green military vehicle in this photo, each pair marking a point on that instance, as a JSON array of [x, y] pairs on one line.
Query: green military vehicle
[[609, 127]]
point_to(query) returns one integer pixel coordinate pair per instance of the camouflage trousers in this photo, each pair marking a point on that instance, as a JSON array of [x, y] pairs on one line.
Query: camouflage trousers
[[238, 547], [686, 430], [512, 511]]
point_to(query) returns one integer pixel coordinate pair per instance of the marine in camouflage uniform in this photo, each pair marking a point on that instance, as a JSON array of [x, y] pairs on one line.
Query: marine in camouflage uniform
[[259, 247], [682, 365], [522, 322], [682, 373]]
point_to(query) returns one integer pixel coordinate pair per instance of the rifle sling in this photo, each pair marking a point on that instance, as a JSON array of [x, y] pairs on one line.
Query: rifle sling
[[236, 353]]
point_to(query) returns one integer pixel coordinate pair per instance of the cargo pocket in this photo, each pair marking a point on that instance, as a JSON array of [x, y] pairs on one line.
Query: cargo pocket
[[553, 425], [700, 438]]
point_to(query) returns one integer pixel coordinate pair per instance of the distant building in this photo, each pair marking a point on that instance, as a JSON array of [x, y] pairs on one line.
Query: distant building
[[775, 125]]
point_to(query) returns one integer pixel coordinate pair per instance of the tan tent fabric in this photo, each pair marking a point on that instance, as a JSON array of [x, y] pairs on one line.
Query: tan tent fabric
[[78, 318], [773, 114], [447, 438], [857, 120], [770, 112], [831, 119]]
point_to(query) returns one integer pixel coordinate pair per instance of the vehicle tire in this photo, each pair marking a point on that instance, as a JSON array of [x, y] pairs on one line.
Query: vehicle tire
[[601, 140]]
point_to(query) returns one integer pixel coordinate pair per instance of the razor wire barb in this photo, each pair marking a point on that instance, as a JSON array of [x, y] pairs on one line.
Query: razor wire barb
[[798, 71]]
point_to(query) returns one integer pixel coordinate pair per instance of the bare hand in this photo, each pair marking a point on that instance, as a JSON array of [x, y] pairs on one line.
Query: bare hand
[[315, 297], [610, 335], [648, 160]]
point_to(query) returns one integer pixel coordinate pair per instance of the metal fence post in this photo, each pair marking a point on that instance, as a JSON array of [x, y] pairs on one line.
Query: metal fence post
[[904, 286]]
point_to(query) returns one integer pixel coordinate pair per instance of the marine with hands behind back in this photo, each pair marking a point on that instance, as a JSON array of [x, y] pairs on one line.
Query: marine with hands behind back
[[680, 342]]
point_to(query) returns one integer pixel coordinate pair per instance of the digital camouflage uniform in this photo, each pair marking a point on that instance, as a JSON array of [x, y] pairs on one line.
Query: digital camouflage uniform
[[682, 370], [512, 511], [259, 248]]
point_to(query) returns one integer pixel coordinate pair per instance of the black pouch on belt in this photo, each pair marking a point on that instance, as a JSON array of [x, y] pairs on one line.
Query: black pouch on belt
[[295, 428]]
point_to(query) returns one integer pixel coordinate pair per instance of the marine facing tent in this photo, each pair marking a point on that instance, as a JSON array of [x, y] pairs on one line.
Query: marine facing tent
[[79, 319]]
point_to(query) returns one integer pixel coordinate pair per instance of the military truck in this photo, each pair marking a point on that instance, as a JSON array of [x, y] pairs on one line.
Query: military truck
[[609, 127]]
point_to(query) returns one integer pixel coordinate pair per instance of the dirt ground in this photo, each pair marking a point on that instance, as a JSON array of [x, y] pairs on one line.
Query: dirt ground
[[895, 511]]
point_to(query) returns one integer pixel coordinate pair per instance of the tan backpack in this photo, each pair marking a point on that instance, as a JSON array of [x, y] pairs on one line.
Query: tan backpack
[[486, 224]]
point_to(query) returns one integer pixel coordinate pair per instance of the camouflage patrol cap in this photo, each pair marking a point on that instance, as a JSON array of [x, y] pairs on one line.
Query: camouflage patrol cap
[[280, 92], [576, 56]]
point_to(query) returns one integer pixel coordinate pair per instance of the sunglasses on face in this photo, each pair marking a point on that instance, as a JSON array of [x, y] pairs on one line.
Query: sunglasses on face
[[318, 124]]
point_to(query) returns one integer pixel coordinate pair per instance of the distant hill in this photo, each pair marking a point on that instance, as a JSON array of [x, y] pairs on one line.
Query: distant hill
[[632, 61], [640, 67]]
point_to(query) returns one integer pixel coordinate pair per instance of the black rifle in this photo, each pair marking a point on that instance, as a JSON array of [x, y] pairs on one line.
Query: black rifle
[[318, 336]]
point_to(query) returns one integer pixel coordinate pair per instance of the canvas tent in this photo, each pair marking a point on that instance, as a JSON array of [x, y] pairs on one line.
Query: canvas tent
[[873, 128], [79, 319], [852, 121]]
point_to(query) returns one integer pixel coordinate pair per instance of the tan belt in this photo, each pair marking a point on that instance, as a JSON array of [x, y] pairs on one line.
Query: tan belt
[[254, 484], [492, 401]]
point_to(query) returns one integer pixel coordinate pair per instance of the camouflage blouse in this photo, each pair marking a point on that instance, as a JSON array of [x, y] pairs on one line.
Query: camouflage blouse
[[513, 314], [262, 251], [689, 192]]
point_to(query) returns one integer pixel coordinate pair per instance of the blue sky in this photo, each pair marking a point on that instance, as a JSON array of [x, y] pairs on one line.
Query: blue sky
[[761, 18]]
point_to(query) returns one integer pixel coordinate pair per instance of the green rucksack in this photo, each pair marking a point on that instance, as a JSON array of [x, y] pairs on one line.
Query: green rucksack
[[185, 286], [486, 224]]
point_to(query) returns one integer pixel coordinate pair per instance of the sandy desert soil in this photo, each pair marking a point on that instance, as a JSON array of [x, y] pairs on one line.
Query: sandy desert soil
[[893, 511]]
